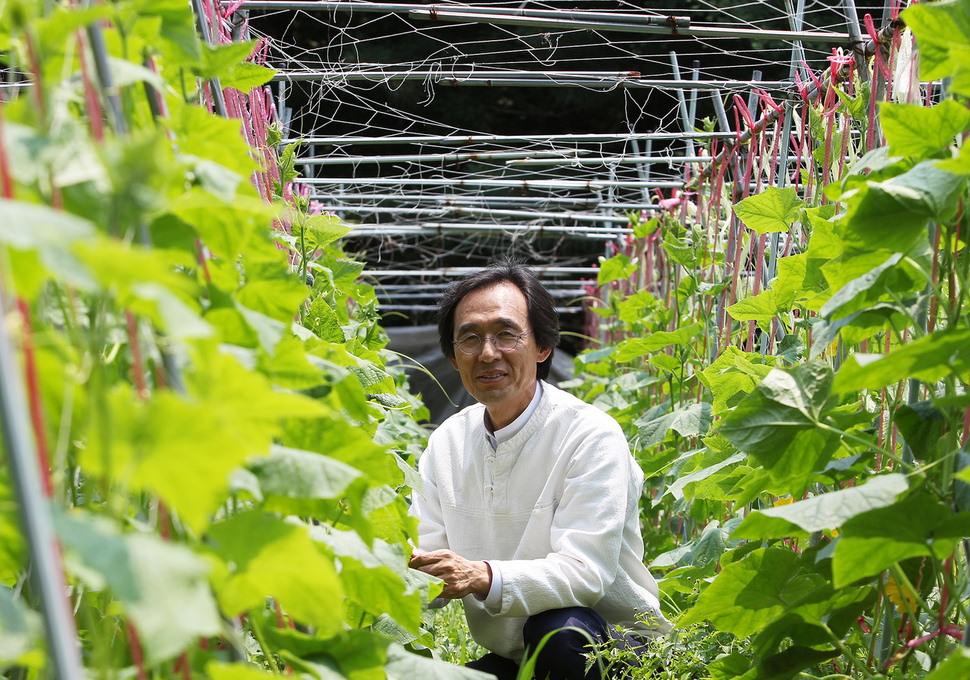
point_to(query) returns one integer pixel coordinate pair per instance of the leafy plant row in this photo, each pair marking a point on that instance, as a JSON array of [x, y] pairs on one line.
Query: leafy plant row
[[224, 443], [791, 366]]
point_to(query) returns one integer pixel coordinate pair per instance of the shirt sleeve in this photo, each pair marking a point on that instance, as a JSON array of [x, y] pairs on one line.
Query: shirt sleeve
[[426, 506]]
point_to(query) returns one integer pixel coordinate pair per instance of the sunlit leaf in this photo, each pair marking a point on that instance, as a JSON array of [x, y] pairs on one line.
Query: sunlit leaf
[[824, 511], [263, 556], [773, 210]]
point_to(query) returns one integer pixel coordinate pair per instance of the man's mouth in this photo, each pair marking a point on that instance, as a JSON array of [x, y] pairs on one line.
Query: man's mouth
[[491, 376]]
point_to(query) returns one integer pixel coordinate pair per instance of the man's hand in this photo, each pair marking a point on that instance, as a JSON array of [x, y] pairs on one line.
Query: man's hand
[[462, 577]]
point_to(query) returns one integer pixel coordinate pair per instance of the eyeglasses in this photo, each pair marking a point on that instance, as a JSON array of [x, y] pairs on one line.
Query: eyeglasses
[[504, 341]]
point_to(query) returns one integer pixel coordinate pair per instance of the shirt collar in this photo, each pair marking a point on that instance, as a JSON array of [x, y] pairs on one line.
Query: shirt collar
[[506, 433]]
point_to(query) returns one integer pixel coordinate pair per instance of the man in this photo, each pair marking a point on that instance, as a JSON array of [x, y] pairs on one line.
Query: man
[[530, 506]]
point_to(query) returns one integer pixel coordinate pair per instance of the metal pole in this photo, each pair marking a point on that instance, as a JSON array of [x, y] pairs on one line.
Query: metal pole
[[588, 185], [383, 73], [383, 8], [527, 214], [695, 31], [46, 572], [215, 86], [685, 120], [505, 139], [858, 42]]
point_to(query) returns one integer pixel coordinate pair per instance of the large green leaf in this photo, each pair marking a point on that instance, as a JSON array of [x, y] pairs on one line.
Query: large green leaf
[[825, 511], [21, 629], [929, 359], [869, 285], [162, 586], [403, 665], [688, 421], [749, 593], [921, 425], [762, 308], [732, 376], [892, 215], [263, 556], [943, 32], [304, 483], [374, 577], [780, 423], [956, 666], [915, 130], [874, 540], [615, 268], [637, 347], [773, 210]]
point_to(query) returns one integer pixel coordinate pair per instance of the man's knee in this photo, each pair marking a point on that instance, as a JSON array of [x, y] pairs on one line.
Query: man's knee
[[570, 633]]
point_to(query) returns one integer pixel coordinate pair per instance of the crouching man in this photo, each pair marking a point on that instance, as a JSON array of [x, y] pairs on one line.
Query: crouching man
[[530, 506]]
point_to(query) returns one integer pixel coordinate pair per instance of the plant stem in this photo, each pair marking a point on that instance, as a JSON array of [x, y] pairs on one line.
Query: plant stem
[[267, 653]]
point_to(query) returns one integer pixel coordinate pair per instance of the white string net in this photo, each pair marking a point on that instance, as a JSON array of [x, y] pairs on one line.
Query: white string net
[[446, 143]]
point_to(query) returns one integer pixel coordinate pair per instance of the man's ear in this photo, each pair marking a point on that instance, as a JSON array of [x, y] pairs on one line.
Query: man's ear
[[454, 362], [543, 355]]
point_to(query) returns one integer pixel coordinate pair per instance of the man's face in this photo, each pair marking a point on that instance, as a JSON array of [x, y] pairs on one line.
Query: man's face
[[503, 381]]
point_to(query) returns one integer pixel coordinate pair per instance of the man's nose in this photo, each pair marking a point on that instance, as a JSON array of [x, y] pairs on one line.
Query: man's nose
[[490, 352]]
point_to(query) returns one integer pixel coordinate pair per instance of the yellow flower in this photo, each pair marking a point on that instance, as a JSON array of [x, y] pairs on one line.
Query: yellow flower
[[896, 595]]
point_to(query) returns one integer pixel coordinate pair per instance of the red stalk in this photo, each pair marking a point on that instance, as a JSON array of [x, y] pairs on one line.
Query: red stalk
[[33, 396]]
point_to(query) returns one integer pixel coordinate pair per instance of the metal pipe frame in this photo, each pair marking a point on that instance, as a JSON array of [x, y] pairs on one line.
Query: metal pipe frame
[[443, 158], [451, 272], [526, 214], [46, 573], [440, 228], [505, 139], [454, 199], [323, 5], [478, 78], [436, 14], [525, 185]]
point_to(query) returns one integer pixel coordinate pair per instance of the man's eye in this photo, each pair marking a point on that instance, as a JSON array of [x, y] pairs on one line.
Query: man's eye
[[506, 335]]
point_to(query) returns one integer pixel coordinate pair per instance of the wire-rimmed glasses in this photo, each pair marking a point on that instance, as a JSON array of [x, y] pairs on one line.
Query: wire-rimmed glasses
[[504, 341]]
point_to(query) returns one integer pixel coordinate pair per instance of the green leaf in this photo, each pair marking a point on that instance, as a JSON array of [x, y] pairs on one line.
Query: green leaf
[[162, 586], [677, 488], [304, 483], [915, 130], [732, 376], [637, 347], [403, 665], [773, 210], [874, 540], [956, 666], [219, 60], [679, 250], [216, 670], [761, 308], [263, 556], [931, 358], [943, 33], [780, 423], [322, 320], [21, 629], [615, 268], [749, 593], [688, 421], [375, 577], [873, 280], [922, 425], [892, 215], [246, 75], [825, 511]]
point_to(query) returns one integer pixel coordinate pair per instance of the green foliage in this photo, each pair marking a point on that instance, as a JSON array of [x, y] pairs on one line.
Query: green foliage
[[230, 445], [808, 500]]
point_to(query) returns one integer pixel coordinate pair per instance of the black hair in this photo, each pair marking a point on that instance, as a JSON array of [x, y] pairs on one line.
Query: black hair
[[539, 303]]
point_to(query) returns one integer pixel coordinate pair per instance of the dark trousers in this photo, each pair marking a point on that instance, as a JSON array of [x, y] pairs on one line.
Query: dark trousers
[[563, 655]]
